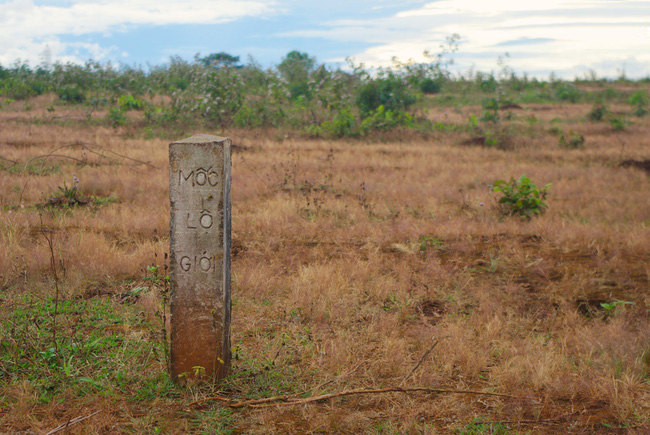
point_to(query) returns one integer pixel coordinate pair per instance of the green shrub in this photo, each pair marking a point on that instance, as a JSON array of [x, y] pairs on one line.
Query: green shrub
[[159, 115], [494, 139], [16, 89], [619, 123], [384, 119], [521, 197], [391, 93], [639, 100], [491, 106], [117, 117], [430, 86], [597, 113], [128, 102], [256, 114], [489, 84], [71, 94], [472, 124], [571, 140], [567, 92], [38, 86], [343, 124], [245, 117]]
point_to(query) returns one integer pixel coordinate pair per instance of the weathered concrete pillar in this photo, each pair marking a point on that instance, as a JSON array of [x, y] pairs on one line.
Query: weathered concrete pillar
[[199, 190]]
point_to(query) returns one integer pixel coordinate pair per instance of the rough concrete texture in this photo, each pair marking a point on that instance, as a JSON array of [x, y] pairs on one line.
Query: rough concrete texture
[[199, 190]]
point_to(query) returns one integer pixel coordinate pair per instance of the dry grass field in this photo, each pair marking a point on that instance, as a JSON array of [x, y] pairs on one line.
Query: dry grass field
[[351, 260]]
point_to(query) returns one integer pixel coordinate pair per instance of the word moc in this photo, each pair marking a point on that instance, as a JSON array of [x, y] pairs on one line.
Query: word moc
[[199, 190]]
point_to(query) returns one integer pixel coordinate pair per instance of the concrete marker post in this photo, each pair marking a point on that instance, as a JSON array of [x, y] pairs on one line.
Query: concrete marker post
[[199, 191]]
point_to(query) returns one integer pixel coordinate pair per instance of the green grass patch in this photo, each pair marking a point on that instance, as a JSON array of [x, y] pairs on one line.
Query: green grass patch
[[81, 347]]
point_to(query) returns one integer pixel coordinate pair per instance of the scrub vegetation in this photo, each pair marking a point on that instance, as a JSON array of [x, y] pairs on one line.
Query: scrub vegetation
[[384, 237]]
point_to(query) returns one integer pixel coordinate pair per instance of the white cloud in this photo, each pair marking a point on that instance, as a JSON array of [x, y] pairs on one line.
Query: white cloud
[[565, 36], [26, 28], [492, 7], [575, 34]]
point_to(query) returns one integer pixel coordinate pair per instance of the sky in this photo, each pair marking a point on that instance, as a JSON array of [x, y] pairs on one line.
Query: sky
[[569, 38]]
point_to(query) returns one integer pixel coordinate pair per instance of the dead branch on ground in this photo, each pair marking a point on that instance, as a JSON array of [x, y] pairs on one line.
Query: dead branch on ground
[[290, 399], [71, 422]]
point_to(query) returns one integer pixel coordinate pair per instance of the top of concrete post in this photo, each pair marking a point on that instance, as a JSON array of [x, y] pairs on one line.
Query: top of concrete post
[[202, 138]]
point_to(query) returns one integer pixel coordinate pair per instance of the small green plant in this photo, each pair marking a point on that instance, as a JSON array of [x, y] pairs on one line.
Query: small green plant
[[493, 267], [71, 196], [619, 123], [71, 94], [390, 92], [127, 102], [117, 117], [430, 86], [342, 125], [384, 119], [521, 197], [639, 100], [472, 123], [427, 242], [491, 114], [597, 113], [611, 306], [571, 140], [567, 92], [68, 195], [479, 427], [493, 139]]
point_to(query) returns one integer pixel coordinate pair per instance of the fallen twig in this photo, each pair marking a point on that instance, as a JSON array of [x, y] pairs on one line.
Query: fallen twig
[[232, 404], [546, 422], [377, 391], [71, 422], [290, 399], [60, 116], [343, 375], [419, 362], [91, 149], [59, 156], [8, 160]]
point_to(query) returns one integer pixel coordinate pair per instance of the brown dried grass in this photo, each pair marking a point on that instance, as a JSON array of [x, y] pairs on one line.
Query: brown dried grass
[[329, 277]]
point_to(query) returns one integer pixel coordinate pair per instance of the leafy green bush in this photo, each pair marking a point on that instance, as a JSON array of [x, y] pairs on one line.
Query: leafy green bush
[[597, 113], [521, 197], [491, 106], [571, 140], [383, 119], [343, 124], [38, 86], [488, 84], [619, 123], [390, 92], [639, 100], [128, 102], [16, 89], [116, 116], [494, 139], [71, 94], [159, 115], [567, 92], [247, 117], [430, 86]]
